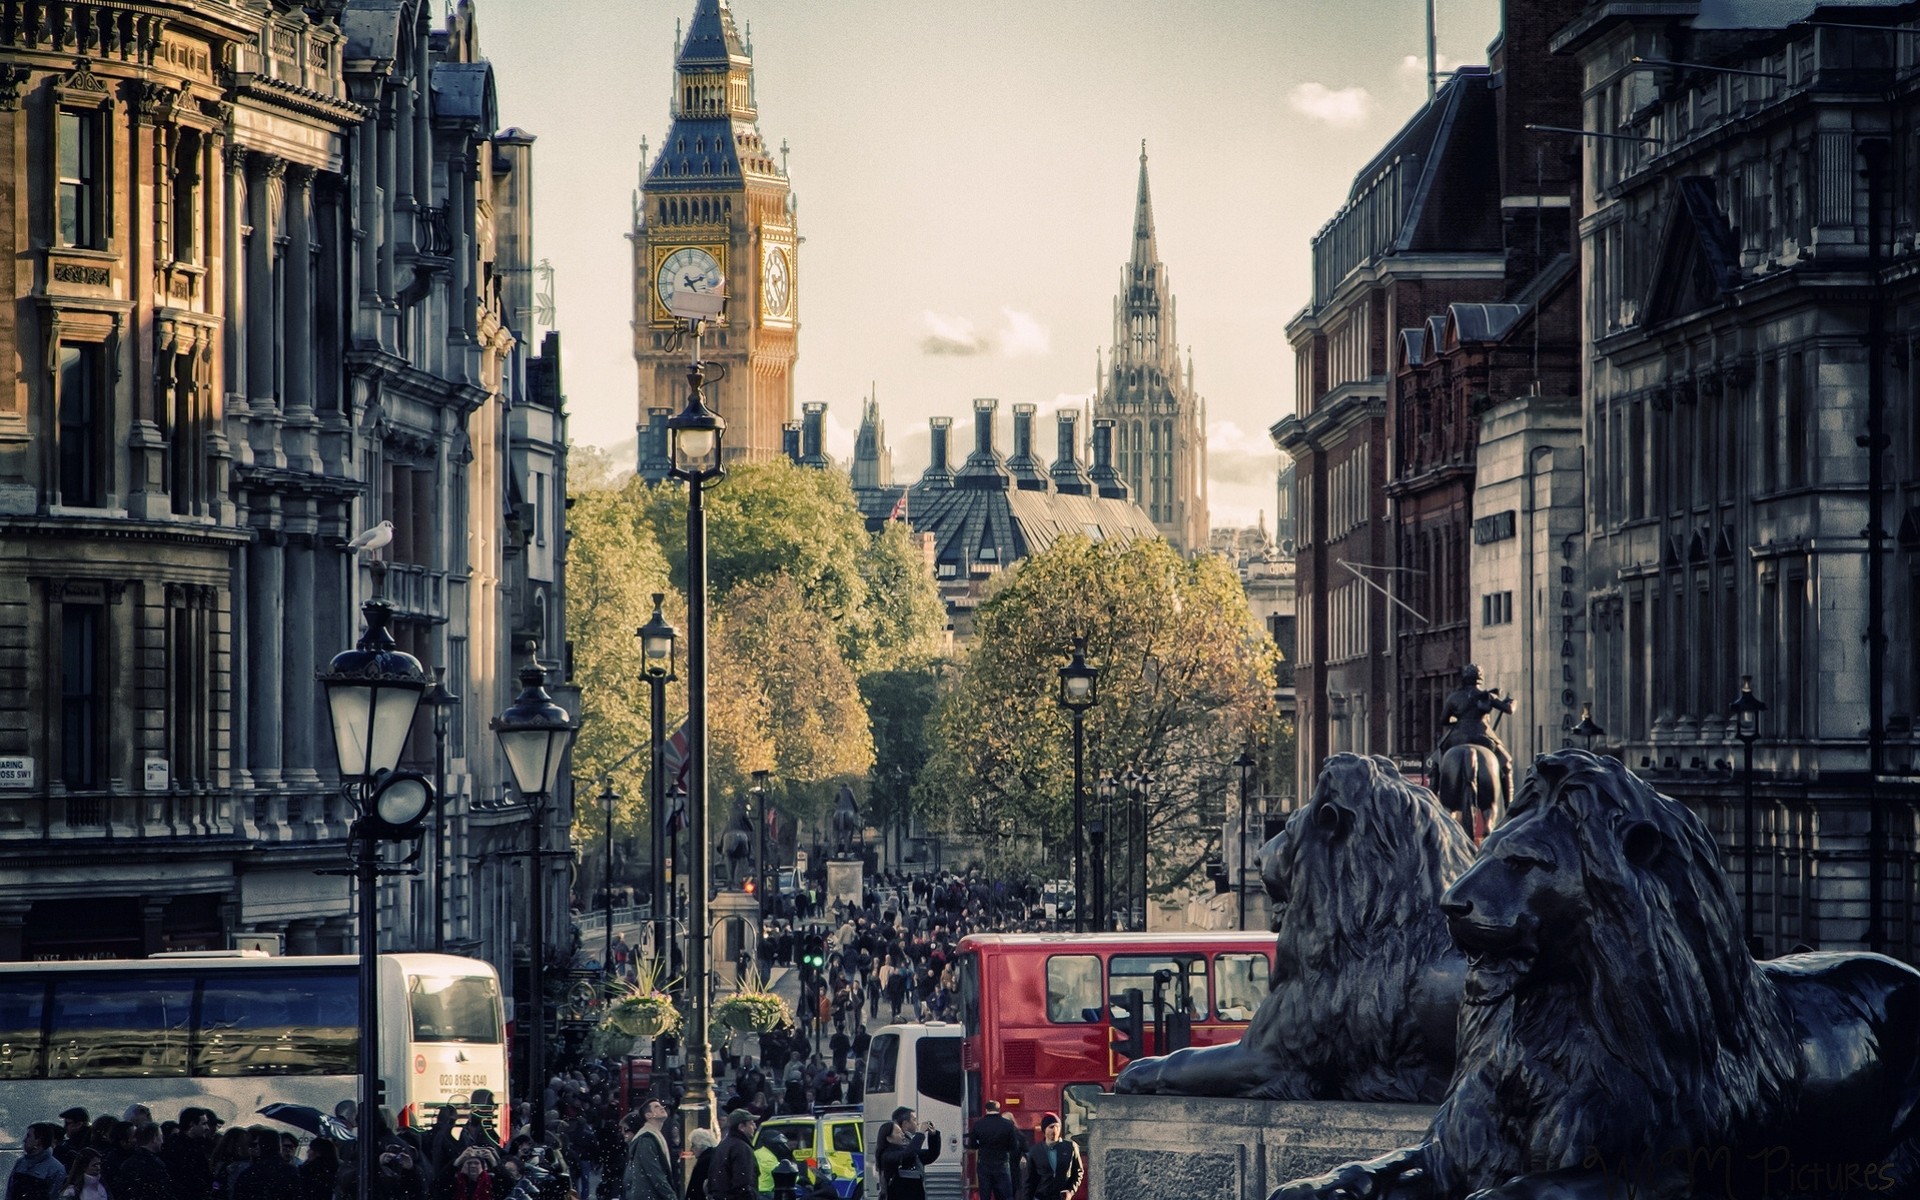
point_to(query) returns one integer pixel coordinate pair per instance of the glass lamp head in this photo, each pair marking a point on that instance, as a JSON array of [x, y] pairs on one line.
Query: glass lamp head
[[373, 691]]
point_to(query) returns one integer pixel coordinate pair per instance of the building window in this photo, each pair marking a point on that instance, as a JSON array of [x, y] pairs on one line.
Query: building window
[[82, 425], [82, 172], [1496, 609], [460, 684], [186, 199], [81, 745]]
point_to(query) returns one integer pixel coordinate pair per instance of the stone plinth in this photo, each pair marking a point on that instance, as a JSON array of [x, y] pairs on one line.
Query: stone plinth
[[1191, 1148]]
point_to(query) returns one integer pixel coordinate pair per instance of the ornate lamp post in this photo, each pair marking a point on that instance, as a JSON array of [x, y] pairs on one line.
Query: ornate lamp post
[[443, 702], [1103, 789], [694, 435], [1246, 762], [656, 652], [1747, 708], [1588, 728], [1079, 691], [373, 691], [535, 734], [758, 813], [1138, 785]]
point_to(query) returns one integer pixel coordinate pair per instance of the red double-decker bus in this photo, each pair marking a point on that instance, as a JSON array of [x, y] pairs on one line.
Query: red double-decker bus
[[1042, 1031]]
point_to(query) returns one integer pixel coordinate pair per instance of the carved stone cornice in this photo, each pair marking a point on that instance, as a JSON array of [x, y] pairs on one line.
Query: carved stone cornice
[[12, 78], [150, 100]]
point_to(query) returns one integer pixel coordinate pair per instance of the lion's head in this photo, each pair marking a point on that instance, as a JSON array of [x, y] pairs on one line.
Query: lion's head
[[1609, 995], [1367, 855]]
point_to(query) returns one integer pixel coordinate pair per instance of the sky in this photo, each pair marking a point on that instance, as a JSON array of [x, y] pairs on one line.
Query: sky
[[965, 172]]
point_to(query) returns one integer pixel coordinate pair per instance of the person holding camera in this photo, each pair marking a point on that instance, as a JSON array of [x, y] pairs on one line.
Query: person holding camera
[[906, 1151]]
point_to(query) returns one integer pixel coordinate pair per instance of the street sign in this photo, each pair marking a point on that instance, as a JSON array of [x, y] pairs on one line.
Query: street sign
[[16, 772], [156, 776]]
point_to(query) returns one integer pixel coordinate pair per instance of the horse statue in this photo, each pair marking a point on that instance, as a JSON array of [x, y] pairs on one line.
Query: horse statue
[[736, 843], [847, 824], [1468, 785]]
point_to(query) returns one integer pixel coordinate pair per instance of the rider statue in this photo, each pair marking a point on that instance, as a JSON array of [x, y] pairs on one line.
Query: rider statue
[[1464, 722]]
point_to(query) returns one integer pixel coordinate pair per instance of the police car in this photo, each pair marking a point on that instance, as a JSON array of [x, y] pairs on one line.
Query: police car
[[834, 1137]]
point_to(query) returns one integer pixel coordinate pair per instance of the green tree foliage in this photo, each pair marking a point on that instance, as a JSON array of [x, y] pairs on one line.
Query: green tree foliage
[[1185, 685]]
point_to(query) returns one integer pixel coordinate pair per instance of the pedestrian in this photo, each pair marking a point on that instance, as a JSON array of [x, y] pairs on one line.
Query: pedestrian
[[268, 1175], [735, 1173], [83, 1178], [997, 1146], [471, 1178], [906, 1151], [649, 1173], [186, 1155], [37, 1174], [1053, 1167], [701, 1144], [141, 1175], [73, 1138], [319, 1175]]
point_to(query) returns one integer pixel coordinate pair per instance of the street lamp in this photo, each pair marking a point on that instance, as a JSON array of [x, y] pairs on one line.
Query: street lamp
[[694, 437], [1138, 784], [373, 691], [535, 733], [656, 655], [1747, 708], [443, 702], [1246, 762], [1079, 691], [757, 813], [1588, 728], [1097, 834], [607, 798]]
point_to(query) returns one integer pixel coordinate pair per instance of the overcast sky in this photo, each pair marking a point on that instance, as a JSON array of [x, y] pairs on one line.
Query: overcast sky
[[965, 174]]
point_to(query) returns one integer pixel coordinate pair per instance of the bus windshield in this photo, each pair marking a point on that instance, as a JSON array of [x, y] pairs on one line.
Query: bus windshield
[[462, 1008]]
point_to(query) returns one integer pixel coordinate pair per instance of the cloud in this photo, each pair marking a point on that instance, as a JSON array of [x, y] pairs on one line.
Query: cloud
[[1021, 335], [1024, 336], [952, 336], [1342, 109], [1237, 456]]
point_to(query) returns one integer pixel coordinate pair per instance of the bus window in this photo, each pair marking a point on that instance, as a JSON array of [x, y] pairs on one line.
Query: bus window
[[1240, 982], [1073, 988], [970, 994], [462, 1008], [1136, 971], [22, 1052], [278, 1024], [883, 1060], [120, 1027], [937, 1060]]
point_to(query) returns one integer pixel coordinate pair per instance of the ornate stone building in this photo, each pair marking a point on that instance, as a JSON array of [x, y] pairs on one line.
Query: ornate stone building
[[1160, 424], [715, 210], [258, 302], [1751, 311]]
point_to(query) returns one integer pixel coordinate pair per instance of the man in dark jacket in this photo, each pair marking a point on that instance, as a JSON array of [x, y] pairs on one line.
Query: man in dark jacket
[[735, 1172], [187, 1155], [141, 1175], [1053, 1167], [998, 1143], [268, 1175]]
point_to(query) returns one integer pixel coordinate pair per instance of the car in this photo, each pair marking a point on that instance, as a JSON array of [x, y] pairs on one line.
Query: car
[[834, 1137]]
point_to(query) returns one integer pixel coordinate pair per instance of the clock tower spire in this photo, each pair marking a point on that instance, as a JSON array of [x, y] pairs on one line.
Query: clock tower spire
[[1159, 440], [716, 209]]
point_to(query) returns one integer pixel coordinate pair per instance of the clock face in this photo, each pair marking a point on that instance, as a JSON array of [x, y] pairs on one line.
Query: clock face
[[776, 282], [688, 269]]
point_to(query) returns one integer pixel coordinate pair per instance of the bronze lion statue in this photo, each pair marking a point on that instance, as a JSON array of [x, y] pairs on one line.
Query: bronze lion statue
[[1365, 985], [1618, 1040]]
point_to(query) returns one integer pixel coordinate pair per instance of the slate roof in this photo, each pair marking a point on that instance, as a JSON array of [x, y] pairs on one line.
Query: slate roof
[[712, 39]]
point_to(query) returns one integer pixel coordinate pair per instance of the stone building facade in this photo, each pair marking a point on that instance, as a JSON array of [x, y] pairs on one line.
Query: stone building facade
[[714, 199], [258, 304], [1750, 314]]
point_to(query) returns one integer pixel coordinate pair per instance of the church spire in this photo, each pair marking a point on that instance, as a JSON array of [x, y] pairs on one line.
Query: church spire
[[1145, 252], [712, 39]]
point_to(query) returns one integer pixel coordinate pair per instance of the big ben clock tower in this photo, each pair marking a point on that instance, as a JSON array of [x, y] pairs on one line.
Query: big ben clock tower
[[714, 206]]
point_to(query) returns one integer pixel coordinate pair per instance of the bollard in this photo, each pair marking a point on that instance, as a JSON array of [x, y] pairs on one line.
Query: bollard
[[784, 1173]]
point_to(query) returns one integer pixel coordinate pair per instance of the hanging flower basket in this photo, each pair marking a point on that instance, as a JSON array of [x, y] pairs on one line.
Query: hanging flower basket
[[642, 1014], [750, 1012]]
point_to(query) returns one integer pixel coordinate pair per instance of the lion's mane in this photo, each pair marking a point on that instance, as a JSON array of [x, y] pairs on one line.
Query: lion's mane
[[1362, 866], [1666, 1036]]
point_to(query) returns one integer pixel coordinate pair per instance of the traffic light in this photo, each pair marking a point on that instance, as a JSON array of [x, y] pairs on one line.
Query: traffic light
[[1132, 1042], [1217, 872], [814, 953]]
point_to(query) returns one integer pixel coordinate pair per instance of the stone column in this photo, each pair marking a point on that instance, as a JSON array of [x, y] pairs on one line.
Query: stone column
[[233, 284], [389, 322], [460, 228], [266, 620], [302, 430], [300, 691], [370, 234], [263, 174]]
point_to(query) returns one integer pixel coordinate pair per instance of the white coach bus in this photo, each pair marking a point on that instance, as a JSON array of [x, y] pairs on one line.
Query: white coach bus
[[235, 1032]]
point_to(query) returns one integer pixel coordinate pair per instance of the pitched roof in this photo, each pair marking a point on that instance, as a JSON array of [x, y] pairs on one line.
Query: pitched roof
[[712, 39]]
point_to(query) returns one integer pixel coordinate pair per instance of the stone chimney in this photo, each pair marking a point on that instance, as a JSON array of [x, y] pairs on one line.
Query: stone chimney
[[1068, 477], [1104, 477], [939, 472], [984, 468], [813, 430], [790, 440], [1029, 473]]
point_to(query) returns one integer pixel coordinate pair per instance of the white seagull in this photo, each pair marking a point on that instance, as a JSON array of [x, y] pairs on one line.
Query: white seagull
[[372, 539]]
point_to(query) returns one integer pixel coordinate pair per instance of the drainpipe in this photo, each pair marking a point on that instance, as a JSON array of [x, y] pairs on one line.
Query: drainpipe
[[1874, 151]]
